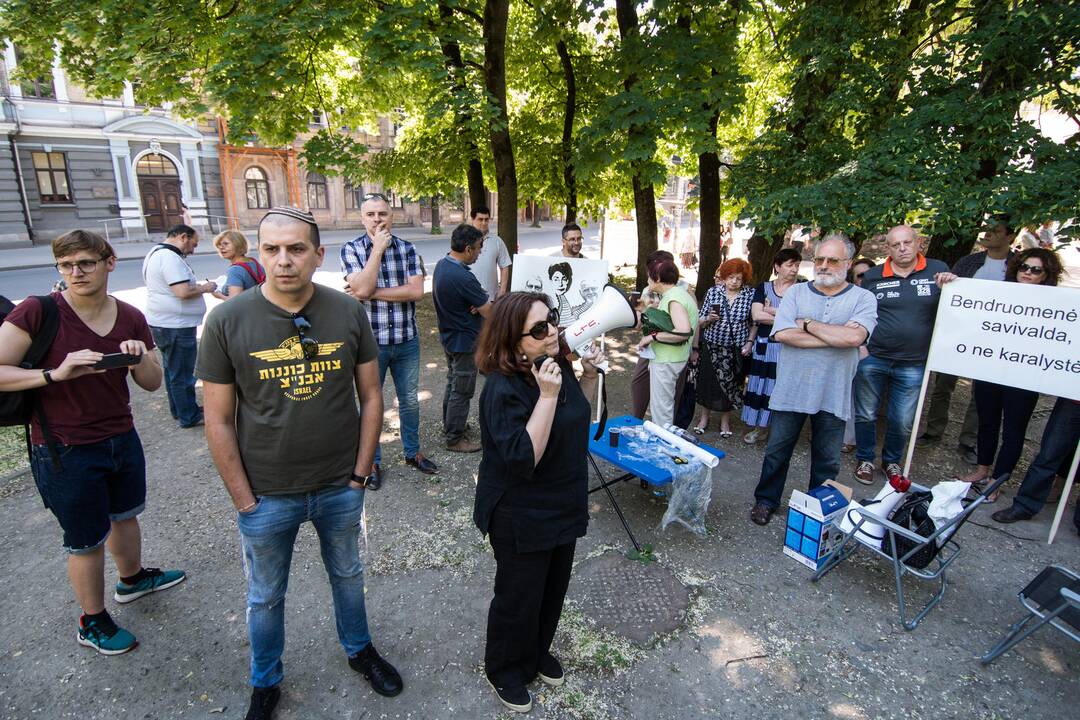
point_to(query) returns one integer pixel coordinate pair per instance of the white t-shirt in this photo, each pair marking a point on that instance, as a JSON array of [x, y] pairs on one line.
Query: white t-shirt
[[162, 268], [493, 257], [991, 270]]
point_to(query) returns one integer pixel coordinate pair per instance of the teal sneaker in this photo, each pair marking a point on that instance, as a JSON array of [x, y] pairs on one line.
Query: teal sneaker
[[105, 636], [153, 580]]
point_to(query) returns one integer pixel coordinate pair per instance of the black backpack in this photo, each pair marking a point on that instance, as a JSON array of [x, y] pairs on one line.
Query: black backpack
[[912, 514], [18, 408]]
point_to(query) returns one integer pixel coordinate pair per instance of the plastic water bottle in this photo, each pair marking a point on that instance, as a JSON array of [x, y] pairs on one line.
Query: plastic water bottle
[[683, 434]]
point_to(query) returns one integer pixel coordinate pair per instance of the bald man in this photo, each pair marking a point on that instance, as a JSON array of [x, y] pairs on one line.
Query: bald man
[[907, 299]]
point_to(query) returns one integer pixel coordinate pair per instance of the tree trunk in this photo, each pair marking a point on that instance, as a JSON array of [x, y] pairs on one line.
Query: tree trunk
[[567, 146], [709, 221], [645, 208], [535, 215], [761, 251], [436, 226], [644, 193], [455, 68], [478, 195], [496, 13]]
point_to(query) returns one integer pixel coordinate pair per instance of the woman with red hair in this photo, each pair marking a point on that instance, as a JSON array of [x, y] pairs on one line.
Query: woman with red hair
[[723, 341]]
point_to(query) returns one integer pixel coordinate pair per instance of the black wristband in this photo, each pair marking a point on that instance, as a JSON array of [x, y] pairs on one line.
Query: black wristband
[[47, 374]]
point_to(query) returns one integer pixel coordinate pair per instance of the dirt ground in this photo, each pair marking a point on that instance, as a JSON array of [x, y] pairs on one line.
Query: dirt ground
[[758, 641]]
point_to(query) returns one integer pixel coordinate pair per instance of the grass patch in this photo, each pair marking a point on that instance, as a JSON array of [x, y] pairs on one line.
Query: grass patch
[[12, 450]]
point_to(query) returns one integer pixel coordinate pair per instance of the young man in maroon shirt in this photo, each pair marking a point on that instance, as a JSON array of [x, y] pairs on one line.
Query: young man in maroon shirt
[[89, 466]]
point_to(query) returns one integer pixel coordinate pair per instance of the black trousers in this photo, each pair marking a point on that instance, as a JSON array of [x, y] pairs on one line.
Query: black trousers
[[1006, 409], [529, 592]]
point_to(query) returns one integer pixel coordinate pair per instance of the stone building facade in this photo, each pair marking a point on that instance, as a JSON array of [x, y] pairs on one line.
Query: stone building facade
[[128, 171]]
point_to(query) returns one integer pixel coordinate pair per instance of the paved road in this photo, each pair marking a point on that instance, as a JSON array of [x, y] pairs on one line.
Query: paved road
[[17, 284]]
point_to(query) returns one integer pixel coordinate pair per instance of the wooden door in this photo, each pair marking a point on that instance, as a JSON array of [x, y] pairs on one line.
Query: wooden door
[[161, 203]]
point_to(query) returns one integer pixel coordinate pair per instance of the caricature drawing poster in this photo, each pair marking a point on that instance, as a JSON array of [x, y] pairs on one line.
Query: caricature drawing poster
[[573, 284]]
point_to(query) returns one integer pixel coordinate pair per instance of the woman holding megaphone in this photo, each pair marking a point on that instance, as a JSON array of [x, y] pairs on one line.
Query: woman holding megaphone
[[532, 487]]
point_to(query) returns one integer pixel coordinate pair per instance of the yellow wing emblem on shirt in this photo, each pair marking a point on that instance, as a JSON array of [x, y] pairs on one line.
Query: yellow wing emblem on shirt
[[294, 352]]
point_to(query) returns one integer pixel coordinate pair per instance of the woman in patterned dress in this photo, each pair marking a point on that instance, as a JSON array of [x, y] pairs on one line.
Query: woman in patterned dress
[[767, 297], [724, 341]]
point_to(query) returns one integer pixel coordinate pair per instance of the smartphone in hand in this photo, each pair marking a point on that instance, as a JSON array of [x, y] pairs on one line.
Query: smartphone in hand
[[117, 360]]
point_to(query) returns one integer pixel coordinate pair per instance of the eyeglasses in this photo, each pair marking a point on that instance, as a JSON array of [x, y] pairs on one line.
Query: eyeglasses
[[85, 266], [309, 346], [830, 261], [374, 196], [1033, 269], [539, 331]]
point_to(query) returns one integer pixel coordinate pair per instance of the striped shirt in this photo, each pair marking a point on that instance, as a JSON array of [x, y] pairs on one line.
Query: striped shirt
[[392, 322]]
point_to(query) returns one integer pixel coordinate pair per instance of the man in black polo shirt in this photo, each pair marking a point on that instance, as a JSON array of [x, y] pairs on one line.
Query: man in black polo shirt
[[907, 299], [460, 305]]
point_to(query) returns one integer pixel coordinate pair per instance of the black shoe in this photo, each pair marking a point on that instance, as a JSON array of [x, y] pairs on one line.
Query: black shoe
[[422, 464], [968, 454], [263, 702], [1011, 514], [551, 672], [384, 679], [925, 440], [516, 698], [375, 468], [761, 513]]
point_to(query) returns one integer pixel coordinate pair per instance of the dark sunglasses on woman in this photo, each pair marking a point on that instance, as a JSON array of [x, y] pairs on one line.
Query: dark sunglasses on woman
[[539, 331]]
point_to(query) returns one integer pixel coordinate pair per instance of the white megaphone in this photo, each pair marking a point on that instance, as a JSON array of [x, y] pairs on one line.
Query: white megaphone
[[871, 533], [611, 312]]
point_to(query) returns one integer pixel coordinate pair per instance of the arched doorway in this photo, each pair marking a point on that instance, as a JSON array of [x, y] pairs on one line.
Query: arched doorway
[[159, 186]]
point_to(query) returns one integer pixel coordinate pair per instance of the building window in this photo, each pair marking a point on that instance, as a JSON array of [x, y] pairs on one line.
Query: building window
[[316, 191], [354, 195], [257, 187], [393, 197], [316, 118], [39, 87], [52, 177], [154, 164]]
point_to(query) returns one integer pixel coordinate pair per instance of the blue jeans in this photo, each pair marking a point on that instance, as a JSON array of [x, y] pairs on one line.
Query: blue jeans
[[903, 380], [403, 362], [826, 437], [94, 486], [267, 535], [178, 351]]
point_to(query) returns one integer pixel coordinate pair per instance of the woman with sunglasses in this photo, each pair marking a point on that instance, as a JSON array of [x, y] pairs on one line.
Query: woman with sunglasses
[[724, 340], [532, 486], [1002, 409]]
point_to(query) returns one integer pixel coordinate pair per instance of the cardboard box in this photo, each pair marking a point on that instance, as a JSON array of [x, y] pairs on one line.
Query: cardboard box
[[812, 521]]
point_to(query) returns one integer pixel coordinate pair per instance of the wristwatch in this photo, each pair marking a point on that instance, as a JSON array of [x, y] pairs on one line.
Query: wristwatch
[[368, 482], [47, 374], [806, 325]]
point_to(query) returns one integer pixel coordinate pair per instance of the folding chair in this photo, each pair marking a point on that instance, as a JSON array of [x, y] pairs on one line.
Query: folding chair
[[947, 552], [1053, 597]]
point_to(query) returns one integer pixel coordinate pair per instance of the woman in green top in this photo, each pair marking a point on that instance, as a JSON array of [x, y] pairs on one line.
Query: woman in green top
[[671, 349]]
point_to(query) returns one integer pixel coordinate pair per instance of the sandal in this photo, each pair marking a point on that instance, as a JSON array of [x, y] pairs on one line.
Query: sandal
[[726, 433], [699, 430]]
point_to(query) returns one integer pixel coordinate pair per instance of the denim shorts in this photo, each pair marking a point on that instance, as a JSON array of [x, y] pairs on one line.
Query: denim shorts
[[95, 485]]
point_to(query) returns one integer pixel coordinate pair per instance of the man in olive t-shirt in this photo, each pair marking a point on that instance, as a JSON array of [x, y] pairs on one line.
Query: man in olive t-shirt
[[282, 367]]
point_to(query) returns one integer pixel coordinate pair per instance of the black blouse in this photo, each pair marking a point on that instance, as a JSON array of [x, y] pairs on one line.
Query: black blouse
[[549, 502]]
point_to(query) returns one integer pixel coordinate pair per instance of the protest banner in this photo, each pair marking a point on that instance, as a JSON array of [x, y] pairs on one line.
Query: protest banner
[[1020, 335], [573, 284], [1026, 336]]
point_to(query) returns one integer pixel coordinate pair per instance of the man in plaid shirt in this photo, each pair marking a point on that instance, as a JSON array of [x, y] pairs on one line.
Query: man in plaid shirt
[[384, 271]]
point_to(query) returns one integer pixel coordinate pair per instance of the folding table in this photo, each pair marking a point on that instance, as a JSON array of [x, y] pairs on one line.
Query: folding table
[[646, 469]]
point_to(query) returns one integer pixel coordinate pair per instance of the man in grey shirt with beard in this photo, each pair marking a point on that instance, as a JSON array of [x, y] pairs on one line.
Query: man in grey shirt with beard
[[821, 326]]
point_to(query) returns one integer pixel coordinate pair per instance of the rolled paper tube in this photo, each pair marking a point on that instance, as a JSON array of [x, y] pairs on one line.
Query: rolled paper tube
[[704, 456]]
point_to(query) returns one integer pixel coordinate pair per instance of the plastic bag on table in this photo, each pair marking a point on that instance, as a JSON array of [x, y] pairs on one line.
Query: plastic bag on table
[[691, 491]]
